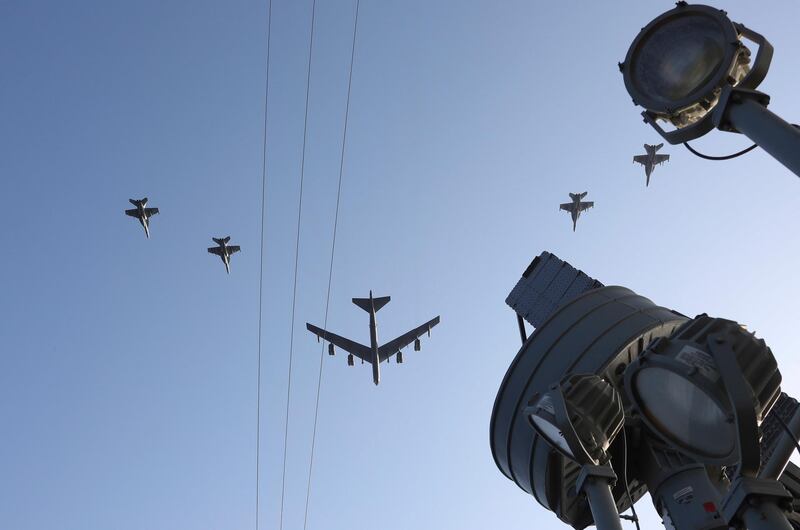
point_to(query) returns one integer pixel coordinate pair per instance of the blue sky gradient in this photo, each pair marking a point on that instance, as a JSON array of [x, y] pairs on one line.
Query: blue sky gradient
[[128, 366]]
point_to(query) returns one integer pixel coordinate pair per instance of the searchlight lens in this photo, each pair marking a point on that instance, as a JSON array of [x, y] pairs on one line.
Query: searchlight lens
[[679, 58], [552, 434], [684, 412]]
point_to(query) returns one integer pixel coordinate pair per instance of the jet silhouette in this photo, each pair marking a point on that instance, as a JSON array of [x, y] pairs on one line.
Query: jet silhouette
[[374, 354], [576, 206], [650, 160], [142, 214], [224, 251]]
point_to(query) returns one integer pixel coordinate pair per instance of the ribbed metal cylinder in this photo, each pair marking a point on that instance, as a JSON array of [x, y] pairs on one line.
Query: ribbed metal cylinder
[[599, 332]]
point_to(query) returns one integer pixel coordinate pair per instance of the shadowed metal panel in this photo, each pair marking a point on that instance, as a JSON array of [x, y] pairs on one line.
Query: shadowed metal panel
[[545, 285]]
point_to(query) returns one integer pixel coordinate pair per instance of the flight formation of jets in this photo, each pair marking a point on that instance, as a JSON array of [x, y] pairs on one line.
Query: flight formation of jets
[[143, 214], [374, 354], [649, 160]]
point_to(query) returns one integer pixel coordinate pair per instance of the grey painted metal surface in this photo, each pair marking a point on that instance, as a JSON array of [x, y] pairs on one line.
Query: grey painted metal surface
[[600, 332], [776, 445], [747, 113], [547, 283]]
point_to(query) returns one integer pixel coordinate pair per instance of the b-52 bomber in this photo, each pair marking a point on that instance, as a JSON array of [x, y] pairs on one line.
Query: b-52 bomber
[[373, 354], [224, 251], [576, 206], [650, 160], [142, 213]]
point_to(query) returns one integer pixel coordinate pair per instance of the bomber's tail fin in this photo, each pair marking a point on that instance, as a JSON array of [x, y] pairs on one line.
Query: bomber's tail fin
[[378, 303], [226, 239], [218, 241], [133, 202]]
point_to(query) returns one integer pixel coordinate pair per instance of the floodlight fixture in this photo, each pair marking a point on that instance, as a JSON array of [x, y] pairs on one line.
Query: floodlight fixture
[[669, 405], [580, 417], [597, 332], [705, 389], [692, 68]]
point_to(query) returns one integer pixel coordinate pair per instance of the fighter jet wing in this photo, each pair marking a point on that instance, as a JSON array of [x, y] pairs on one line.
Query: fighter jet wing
[[585, 205], [359, 350], [149, 212], [232, 249], [642, 159], [215, 250], [132, 213], [390, 348], [660, 159], [567, 206]]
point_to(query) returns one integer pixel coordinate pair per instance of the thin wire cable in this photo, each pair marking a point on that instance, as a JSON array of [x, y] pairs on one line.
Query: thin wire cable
[[330, 269], [261, 262], [635, 517], [296, 261], [726, 157]]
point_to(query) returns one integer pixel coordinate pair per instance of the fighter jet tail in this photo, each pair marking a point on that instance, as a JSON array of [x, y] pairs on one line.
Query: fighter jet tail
[[379, 302]]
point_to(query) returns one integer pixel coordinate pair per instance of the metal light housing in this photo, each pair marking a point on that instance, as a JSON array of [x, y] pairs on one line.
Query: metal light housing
[[579, 417], [679, 63], [677, 387]]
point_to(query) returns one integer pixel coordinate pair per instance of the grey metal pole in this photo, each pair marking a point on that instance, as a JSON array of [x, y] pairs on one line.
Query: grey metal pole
[[774, 135], [784, 448], [595, 482], [601, 502]]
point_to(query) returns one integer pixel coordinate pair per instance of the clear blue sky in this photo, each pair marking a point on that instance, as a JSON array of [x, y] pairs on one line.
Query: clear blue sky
[[128, 366]]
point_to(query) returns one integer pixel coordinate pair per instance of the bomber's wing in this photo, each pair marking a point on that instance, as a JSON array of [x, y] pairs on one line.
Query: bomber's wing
[[660, 159], [133, 213], [642, 159], [359, 350], [149, 212], [232, 249], [567, 206], [585, 205], [215, 250], [392, 347]]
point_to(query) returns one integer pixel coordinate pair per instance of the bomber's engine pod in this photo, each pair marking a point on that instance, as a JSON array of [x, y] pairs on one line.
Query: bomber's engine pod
[[350, 361], [599, 332], [399, 357]]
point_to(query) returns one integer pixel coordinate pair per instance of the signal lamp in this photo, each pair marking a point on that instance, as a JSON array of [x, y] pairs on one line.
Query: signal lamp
[[679, 63], [690, 67], [678, 388], [579, 417]]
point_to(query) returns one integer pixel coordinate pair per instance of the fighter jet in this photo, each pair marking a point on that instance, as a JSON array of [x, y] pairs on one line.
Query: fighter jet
[[374, 354], [224, 251], [142, 214], [651, 159], [576, 206]]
